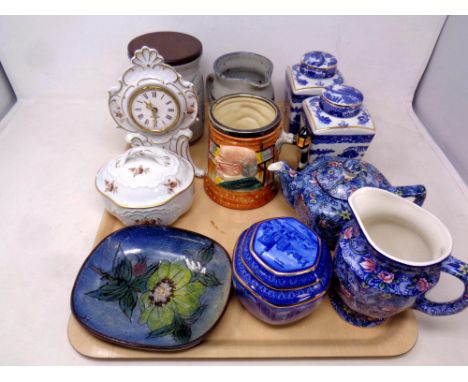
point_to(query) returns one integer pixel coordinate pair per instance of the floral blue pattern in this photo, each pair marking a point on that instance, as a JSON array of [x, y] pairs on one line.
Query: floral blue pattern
[[152, 287], [320, 191], [368, 287]]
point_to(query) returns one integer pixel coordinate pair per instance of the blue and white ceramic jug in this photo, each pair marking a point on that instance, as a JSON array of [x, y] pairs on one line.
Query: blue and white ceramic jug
[[388, 257]]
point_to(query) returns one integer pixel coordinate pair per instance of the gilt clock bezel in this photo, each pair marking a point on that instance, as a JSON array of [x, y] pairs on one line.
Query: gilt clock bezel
[[148, 69], [137, 91]]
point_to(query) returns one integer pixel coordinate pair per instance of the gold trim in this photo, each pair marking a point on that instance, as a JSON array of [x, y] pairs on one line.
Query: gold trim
[[337, 104], [143, 89], [314, 126], [318, 67], [142, 208], [304, 271], [271, 287], [293, 84], [315, 298]]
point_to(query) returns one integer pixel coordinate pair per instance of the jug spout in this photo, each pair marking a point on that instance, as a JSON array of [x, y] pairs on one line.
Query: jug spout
[[289, 179], [399, 229]]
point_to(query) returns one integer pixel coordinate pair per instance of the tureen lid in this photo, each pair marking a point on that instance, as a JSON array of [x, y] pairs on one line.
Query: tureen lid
[[341, 177], [144, 177], [343, 95], [285, 245], [319, 60]]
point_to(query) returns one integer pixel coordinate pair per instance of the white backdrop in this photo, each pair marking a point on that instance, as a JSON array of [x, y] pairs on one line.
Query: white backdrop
[[59, 133], [81, 57]]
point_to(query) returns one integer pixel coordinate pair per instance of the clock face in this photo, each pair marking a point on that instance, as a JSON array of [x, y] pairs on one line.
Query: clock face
[[154, 108]]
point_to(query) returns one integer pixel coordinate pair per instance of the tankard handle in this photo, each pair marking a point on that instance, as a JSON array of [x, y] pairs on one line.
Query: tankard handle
[[418, 192], [456, 268]]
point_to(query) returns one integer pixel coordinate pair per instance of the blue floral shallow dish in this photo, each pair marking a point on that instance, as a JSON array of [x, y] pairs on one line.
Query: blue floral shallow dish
[[153, 287]]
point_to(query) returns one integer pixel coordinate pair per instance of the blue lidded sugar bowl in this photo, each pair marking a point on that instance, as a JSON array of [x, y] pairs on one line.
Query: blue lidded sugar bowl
[[281, 270], [316, 71]]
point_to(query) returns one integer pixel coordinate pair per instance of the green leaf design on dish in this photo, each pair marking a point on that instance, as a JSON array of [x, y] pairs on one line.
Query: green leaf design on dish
[[209, 279], [167, 294]]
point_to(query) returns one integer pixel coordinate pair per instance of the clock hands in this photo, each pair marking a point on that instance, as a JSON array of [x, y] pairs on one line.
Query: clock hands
[[154, 111], [150, 106]]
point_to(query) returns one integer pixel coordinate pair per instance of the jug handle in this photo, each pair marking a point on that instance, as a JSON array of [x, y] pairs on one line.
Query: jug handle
[[456, 268], [417, 192]]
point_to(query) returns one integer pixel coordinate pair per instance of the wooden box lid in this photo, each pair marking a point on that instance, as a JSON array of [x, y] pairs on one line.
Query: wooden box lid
[[177, 48]]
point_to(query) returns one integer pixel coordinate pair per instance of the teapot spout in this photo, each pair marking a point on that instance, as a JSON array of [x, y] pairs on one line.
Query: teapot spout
[[288, 179]]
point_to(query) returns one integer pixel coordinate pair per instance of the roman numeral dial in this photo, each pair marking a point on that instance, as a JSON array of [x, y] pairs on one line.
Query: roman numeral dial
[[154, 108]]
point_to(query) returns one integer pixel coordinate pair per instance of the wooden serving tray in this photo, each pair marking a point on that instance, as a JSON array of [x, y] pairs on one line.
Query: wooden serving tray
[[239, 334]]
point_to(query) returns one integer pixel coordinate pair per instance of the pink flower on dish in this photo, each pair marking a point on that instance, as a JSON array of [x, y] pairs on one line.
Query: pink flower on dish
[[386, 277], [368, 265], [140, 267], [423, 285], [348, 233]]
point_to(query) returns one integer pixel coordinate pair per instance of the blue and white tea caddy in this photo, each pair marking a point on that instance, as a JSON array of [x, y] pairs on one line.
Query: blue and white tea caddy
[[316, 71], [339, 123], [281, 270]]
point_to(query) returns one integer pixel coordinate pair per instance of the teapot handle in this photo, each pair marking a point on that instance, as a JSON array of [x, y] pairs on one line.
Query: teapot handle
[[456, 268], [418, 192]]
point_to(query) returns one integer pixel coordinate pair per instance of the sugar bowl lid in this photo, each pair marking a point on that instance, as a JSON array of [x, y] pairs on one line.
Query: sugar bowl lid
[[343, 95], [144, 177], [285, 245], [340, 177], [319, 60]]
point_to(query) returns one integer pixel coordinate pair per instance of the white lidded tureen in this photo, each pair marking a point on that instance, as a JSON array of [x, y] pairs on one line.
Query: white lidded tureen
[[147, 185]]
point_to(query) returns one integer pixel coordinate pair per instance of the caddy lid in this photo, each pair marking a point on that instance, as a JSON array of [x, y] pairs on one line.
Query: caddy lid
[[285, 245], [319, 60]]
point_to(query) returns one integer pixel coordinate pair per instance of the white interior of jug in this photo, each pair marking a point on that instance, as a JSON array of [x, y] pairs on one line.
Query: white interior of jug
[[399, 229]]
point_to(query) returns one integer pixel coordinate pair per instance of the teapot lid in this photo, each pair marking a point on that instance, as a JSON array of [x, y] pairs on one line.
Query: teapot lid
[[144, 177], [340, 177], [286, 245]]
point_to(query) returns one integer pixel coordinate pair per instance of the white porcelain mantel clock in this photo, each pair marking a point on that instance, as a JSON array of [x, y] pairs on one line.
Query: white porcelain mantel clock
[[155, 105]]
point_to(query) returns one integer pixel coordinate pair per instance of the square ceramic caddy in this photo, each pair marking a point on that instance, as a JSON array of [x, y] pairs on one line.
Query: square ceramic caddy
[[337, 136], [316, 71]]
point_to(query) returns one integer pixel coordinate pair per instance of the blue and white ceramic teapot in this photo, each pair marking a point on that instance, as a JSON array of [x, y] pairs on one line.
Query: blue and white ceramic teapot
[[388, 257], [319, 193]]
